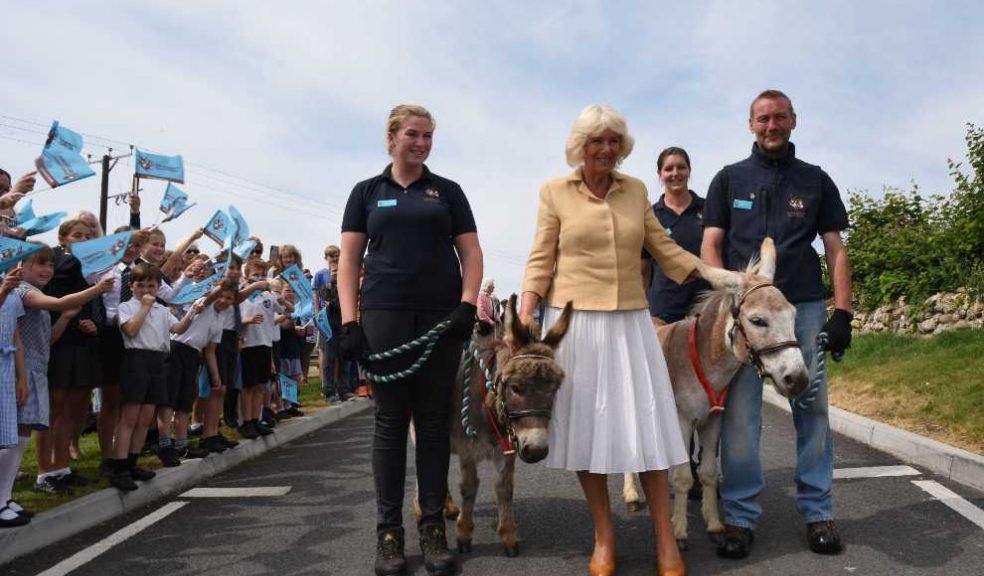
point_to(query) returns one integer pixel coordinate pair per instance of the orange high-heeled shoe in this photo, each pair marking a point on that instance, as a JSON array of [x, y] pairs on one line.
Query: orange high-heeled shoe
[[679, 570], [601, 568]]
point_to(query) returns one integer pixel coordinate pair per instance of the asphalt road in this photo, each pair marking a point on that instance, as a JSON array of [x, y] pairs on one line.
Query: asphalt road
[[325, 524]]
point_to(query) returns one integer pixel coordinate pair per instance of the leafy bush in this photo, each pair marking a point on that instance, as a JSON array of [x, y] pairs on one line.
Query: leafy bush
[[903, 244]]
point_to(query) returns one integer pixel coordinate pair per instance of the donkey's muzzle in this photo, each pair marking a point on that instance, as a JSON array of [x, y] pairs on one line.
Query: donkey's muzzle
[[533, 454]]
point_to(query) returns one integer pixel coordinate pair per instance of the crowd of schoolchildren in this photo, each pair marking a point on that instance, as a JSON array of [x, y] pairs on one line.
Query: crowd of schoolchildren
[[174, 371]]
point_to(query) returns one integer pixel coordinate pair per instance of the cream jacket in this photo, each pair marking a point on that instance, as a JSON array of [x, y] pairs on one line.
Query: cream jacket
[[588, 250]]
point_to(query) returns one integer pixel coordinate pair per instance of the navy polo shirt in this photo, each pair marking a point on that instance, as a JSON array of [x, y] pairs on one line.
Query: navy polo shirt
[[411, 263], [668, 300], [784, 198]]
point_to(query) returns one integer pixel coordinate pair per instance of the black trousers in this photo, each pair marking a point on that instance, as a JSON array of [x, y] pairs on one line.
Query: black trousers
[[424, 396]]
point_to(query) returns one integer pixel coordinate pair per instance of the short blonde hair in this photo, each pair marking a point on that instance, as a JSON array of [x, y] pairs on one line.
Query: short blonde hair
[[399, 115], [592, 121]]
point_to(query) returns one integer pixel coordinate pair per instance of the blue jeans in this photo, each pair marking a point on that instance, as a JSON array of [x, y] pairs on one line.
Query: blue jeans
[[742, 430], [346, 371]]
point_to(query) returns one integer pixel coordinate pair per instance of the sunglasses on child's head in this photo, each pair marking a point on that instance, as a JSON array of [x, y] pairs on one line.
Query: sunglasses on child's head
[[192, 251]]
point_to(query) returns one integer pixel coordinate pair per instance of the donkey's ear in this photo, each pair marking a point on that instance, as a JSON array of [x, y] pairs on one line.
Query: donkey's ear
[[517, 334], [719, 278], [767, 259], [559, 329]]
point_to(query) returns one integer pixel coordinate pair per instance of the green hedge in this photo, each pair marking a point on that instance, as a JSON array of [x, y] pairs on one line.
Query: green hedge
[[904, 244]]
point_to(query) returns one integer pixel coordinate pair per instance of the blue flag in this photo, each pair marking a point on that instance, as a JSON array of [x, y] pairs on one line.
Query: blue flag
[[218, 227], [174, 203], [61, 160], [242, 229], [245, 249], [300, 285], [13, 251], [288, 389], [26, 213], [193, 291], [41, 224], [321, 321], [220, 267], [100, 254], [303, 312], [170, 168]]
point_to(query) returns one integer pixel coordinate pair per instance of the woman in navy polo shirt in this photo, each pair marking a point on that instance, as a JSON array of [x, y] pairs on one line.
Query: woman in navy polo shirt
[[680, 211], [423, 265]]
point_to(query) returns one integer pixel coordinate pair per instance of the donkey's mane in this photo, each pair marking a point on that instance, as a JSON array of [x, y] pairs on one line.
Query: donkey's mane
[[714, 298]]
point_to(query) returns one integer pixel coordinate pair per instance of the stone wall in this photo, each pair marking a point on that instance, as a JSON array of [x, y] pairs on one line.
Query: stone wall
[[939, 313]]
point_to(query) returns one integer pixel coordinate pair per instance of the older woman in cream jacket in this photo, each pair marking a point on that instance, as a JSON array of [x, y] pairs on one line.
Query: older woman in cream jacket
[[615, 413]]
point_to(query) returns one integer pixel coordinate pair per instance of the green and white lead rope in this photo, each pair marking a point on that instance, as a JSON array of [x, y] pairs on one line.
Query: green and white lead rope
[[804, 400], [428, 341], [471, 354]]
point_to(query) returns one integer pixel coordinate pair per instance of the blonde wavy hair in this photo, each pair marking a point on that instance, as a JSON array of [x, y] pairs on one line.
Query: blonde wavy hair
[[592, 121]]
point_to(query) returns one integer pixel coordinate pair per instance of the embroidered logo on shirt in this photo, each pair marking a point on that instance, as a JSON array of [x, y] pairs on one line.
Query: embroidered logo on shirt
[[796, 207], [431, 193]]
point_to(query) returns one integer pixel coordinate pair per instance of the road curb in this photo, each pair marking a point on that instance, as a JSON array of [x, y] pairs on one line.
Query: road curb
[[78, 515], [958, 465]]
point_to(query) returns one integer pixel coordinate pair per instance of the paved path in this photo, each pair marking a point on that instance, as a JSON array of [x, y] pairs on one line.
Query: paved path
[[324, 524]]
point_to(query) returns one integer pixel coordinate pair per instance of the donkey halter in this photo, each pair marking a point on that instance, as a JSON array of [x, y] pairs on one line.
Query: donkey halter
[[511, 416], [754, 354]]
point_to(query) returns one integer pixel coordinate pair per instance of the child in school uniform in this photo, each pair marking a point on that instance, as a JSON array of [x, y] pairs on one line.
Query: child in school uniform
[[39, 335], [221, 361], [292, 340], [147, 327], [183, 363], [259, 316], [74, 365], [13, 393]]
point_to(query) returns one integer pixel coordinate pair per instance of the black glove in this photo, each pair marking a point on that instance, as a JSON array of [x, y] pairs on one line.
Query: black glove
[[838, 329], [462, 321], [351, 342]]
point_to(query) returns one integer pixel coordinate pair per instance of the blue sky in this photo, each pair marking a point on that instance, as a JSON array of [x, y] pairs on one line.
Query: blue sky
[[279, 108]]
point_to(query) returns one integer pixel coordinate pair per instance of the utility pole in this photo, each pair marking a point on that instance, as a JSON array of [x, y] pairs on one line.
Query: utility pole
[[104, 195], [104, 191]]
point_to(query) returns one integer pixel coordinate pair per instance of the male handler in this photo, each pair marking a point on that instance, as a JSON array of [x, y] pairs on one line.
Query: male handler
[[773, 193]]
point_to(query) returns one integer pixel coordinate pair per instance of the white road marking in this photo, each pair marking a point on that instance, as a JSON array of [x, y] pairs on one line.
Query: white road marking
[[266, 491], [71, 563], [953, 500], [875, 472]]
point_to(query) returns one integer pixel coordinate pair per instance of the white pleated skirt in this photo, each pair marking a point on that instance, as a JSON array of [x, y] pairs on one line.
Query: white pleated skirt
[[614, 413]]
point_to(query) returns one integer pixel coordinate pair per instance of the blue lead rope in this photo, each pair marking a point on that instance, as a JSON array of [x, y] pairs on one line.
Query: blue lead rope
[[806, 399], [428, 341]]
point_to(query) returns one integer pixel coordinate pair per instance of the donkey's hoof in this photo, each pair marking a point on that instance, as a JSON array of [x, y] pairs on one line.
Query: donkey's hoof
[[512, 551], [634, 506], [717, 538], [464, 546], [451, 513], [682, 544]]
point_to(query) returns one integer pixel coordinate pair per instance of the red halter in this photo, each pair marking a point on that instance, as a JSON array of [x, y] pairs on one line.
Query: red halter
[[716, 401]]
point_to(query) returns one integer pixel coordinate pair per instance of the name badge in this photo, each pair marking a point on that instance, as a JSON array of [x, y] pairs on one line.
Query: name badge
[[386, 203], [743, 204]]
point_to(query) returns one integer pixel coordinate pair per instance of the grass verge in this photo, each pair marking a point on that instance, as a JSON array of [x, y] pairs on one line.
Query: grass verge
[[309, 397], [931, 386]]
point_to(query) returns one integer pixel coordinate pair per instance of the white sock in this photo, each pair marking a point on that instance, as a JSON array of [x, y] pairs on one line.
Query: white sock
[[10, 459]]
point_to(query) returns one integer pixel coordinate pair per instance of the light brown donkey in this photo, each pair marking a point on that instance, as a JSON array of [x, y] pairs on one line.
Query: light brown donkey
[[744, 319]]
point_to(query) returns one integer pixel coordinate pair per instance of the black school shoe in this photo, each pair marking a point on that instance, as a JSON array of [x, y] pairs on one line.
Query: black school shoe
[[823, 537], [168, 456], [138, 473], [434, 545], [53, 487], [190, 452], [390, 560], [17, 520], [261, 428], [249, 431], [121, 478], [736, 542], [212, 444], [76, 480]]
